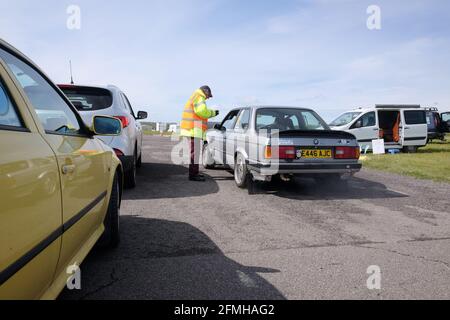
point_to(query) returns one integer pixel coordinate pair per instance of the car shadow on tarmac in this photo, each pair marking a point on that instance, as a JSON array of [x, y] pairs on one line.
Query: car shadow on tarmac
[[160, 259], [308, 189], [164, 180]]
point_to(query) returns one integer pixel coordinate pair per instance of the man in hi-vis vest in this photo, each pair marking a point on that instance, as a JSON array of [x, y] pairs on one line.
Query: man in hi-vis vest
[[194, 124]]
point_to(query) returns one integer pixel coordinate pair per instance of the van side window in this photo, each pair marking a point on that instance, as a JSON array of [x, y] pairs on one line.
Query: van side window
[[54, 113], [8, 113], [415, 117], [367, 120]]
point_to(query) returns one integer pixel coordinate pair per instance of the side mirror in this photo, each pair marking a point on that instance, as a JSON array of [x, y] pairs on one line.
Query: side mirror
[[106, 126], [219, 127], [141, 115], [357, 125]]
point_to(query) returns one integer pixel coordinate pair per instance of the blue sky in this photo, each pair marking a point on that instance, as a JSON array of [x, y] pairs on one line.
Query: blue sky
[[316, 54]]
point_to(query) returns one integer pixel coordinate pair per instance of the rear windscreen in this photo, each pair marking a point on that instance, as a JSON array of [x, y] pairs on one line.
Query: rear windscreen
[[285, 119], [415, 117], [88, 99]]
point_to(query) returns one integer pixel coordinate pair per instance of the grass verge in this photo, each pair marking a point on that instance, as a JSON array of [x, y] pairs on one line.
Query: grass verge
[[431, 162]]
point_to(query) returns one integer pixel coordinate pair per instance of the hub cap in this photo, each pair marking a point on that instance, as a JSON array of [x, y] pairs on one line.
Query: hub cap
[[239, 171]]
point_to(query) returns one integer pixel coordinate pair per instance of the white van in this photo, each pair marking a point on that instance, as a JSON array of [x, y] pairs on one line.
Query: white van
[[401, 126]]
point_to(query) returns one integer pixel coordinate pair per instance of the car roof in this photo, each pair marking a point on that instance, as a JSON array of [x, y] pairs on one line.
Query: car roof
[[107, 87], [385, 107], [276, 107], [364, 109]]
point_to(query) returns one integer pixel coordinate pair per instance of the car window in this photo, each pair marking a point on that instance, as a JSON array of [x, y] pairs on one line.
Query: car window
[[88, 98], [230, 120], [263, 120], [128, 104], [8, 113], [288, 119], [445, 117], [311, 121], [243, 121], [415, 117], [430, 118], [433, 120], [54, 113]]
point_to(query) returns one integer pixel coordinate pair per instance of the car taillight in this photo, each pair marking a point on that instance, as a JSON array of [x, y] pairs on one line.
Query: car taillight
[[268, 152], [347, 153], [118, 152], [125, 121], [284, 152]]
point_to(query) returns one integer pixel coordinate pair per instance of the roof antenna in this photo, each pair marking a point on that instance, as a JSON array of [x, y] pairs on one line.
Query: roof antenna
[[71, 74]]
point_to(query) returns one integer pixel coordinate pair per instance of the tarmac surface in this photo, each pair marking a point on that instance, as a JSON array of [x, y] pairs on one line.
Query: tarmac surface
[[212, 240]]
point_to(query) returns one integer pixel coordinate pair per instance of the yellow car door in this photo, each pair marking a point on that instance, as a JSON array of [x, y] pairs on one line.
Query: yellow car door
[[82, 162], [30, 200]]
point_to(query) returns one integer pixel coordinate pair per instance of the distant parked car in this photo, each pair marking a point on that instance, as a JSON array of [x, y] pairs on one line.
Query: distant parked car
[[436, 127], [110, 100], [262, 142]]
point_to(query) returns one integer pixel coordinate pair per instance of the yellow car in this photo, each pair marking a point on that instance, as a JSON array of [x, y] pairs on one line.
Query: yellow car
[[60, 187]]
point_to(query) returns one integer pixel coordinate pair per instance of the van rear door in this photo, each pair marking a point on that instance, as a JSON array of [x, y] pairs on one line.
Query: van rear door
[[415, 128]]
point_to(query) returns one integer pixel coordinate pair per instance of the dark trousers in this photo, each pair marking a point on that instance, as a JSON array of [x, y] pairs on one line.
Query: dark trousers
[[195, 144]]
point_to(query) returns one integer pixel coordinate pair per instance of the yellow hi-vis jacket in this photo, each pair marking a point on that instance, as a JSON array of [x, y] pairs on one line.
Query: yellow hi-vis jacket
[[194, 122]]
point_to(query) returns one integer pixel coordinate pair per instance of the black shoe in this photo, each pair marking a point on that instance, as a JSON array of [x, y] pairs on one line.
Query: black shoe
[[197, 178]]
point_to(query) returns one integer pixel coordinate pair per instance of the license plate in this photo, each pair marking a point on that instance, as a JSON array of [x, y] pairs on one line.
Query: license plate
[[314, 154]]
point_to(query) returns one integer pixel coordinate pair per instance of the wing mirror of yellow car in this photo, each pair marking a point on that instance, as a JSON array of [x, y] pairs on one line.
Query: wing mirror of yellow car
[[106, 126]]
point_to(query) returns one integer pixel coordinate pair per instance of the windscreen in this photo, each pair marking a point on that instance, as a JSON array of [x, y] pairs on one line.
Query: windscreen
[[285, 119], [87, 98], [345, 119]]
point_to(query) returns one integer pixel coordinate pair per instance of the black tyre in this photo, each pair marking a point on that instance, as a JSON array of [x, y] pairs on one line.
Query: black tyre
[[410, 149], [139, 161], [130, 175], [207, 160], [241, 174], [111, 237]]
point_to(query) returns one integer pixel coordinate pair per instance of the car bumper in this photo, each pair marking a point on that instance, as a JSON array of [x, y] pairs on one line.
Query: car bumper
[[127, 162], [291, 168]]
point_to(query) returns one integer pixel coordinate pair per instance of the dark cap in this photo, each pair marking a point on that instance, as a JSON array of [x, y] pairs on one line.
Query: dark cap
[[207, 91]]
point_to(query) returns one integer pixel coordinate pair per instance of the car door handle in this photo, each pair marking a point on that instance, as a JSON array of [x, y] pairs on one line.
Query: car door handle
[[376, 129], [66, 169], [407, 128]]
